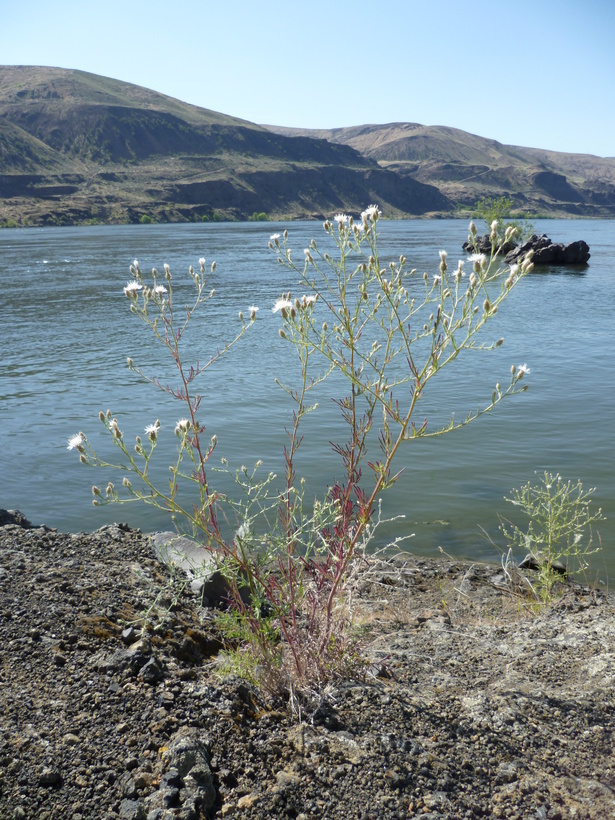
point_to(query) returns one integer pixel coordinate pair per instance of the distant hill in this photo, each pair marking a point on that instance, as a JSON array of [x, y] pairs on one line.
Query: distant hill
[[466, 167], [76, 147]]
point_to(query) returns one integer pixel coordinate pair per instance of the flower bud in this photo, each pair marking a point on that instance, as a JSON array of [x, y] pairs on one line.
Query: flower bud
[[95, 490], [443, 261], [126, 482], [213, 266]]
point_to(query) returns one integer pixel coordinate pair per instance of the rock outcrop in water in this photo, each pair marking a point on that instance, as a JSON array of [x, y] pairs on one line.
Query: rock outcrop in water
[[483, 245], [546, 252]]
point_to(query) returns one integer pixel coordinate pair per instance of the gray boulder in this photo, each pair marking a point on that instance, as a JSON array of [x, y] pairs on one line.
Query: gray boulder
[[196, 562]]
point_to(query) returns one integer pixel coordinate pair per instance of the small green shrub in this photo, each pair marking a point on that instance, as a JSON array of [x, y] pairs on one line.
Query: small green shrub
[[558, 538], [498, 209], [146, 219]]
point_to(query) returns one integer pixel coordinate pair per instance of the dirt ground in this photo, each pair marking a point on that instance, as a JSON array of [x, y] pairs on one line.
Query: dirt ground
[[471, 708]]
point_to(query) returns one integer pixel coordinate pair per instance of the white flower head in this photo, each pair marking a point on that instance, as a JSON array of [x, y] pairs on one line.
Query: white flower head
[[436, 279], [160, 289], [371, 213], [76, 442], [443, 256], [522, 370], [151, 428], [275, 237], [253, 310], [132, 288], [341, 219], [282, 304], [514, 270], [479, 258], [182, 426]]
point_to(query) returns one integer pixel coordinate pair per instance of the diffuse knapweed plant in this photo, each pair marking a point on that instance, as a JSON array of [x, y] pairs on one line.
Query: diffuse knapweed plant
[[378, 335], [558, 538]]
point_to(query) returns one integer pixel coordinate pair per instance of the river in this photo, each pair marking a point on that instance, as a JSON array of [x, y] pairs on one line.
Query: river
[[68, 331]]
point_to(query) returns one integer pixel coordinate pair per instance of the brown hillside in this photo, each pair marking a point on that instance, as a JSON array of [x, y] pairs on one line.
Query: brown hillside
[[466, 167]]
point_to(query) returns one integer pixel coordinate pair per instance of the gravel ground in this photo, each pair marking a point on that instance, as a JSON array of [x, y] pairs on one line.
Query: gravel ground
[[472, 708]]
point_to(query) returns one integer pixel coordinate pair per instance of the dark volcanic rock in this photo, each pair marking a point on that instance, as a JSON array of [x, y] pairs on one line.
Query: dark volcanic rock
[[546, 252], [482, 244], [14, 517]]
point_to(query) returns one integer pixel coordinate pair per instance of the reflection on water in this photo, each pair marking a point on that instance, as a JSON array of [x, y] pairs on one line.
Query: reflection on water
[[67, 332]]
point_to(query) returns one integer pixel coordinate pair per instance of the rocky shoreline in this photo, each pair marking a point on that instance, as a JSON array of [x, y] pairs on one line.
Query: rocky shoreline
[[471, 708]]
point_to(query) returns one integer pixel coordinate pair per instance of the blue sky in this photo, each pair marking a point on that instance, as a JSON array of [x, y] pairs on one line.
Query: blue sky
[[536, 73]]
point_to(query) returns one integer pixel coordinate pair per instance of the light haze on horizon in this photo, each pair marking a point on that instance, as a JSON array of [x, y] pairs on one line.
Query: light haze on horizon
[[538, 73]]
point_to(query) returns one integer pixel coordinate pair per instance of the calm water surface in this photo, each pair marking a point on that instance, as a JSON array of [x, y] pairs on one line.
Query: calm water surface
[[68, 330]]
